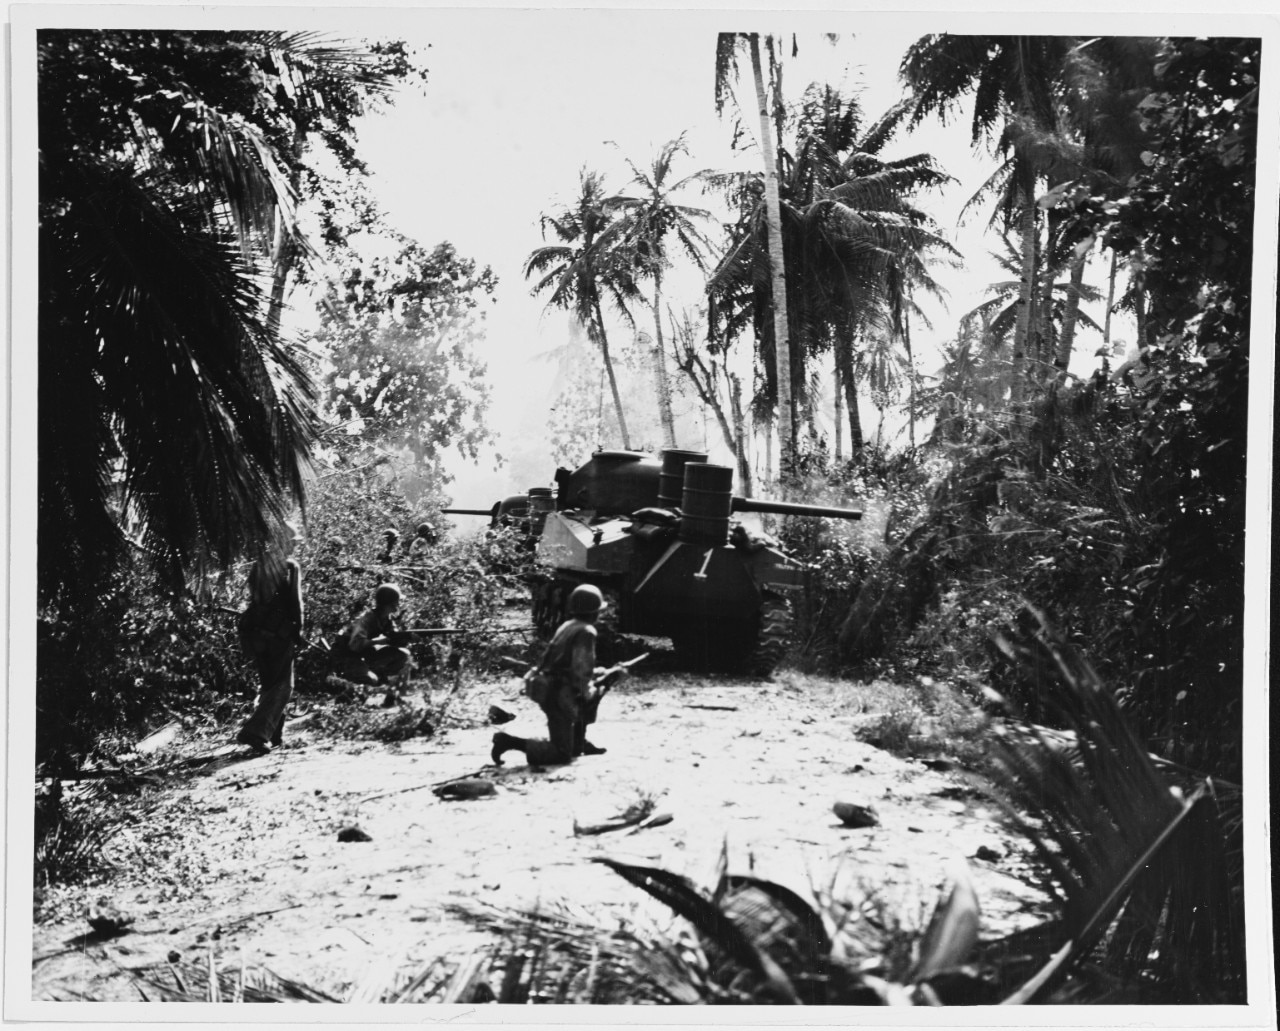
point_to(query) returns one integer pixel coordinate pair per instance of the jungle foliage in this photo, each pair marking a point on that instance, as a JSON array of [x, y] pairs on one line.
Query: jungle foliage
[[1115, 504]]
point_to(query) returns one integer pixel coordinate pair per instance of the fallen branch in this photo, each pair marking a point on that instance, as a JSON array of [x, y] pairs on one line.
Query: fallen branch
[[720, 708], [254, 916], [656, 820], [638, 818]]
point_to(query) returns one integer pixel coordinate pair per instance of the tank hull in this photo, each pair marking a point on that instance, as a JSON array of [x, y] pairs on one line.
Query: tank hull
[[685, 571]]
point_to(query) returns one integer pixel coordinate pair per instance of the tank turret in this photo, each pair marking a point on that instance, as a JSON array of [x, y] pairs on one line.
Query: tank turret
[[658, 537]]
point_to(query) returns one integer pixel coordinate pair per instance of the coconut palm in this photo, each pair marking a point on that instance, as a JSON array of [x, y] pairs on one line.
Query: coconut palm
[[648, 221], [1059, 300], [727, 46], [585, 265], [1014, 81], [172, 417], [852, 239]]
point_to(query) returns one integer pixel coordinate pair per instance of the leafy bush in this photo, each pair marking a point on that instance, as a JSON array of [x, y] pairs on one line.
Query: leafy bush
[[140, 656], [841, 555], [144, 655], [69, 839]]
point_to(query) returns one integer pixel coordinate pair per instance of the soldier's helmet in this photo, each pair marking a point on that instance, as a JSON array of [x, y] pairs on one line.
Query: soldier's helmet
[[386, 594], [586, 600]]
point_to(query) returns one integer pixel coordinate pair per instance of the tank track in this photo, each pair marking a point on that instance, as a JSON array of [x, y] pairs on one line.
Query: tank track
[[752, 648], [550, 601], [773, 638]]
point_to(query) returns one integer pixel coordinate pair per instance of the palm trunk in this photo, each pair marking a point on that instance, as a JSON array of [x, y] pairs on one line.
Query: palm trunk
[[613, 380], [661, 380], [768, 450], [1021, 336], [1046, 347], [283, 253], [1069, 315], [844, 359], [1111, 299], [839, 407], [773, 219], [911, 378], [741, 451], [1137, 277]]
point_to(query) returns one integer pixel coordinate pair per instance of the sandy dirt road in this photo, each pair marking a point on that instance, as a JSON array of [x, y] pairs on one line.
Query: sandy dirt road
[[244, 861]]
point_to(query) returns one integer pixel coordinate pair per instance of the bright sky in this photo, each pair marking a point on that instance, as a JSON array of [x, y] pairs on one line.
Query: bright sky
[[518, 102]]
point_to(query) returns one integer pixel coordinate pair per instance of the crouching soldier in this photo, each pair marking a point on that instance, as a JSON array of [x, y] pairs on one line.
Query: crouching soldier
[[571, 696], [370, 651]]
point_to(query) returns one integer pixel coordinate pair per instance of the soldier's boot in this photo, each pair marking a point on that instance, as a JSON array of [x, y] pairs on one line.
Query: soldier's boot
[[581, 746], [503, 743]]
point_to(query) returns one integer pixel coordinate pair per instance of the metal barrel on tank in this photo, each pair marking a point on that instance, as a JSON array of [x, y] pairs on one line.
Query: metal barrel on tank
[[541, 502], [705, 504], [671, 479]]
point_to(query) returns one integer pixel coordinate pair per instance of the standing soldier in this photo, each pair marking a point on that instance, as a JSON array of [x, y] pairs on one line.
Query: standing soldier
[[570, 666], [270, 633]]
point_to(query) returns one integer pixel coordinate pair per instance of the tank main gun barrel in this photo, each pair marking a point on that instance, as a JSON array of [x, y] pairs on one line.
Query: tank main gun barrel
[[467, 511], [791, 508]]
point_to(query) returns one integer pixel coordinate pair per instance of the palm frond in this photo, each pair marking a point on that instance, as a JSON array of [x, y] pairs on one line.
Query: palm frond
[[180, 324], [1142, 871], [683, 899]]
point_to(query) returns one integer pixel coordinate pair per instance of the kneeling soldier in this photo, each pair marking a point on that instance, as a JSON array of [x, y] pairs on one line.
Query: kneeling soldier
[[370, 650], [572, 697]]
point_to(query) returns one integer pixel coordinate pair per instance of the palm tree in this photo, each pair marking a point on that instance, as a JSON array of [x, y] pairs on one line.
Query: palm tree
[[884, 368], [647, 222], [172, 417], [727, 44], [853, 241], [586, 263], [1059, 300], [1013, 80]]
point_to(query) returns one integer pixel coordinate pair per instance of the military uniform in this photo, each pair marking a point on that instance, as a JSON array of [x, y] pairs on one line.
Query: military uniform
[[571, 699], [358, 658], [569, 664], [270, 632]]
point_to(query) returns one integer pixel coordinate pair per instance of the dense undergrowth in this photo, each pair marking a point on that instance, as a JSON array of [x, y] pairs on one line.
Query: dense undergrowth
[[142, 656], [1070, 518]]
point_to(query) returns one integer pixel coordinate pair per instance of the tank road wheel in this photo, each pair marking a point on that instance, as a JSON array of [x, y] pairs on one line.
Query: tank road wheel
[[773, 638], [549, 600]]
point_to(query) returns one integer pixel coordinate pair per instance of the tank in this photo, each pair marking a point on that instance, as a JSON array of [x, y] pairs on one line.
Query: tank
[[659, 538]]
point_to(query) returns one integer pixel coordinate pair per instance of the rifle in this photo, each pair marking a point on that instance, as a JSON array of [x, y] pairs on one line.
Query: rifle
[[614, 673], [447, 631]]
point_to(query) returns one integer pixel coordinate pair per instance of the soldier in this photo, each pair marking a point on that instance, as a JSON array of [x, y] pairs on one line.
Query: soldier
[[570, 666], [390, 537], [271, 632], [423, 538], [369, 651]]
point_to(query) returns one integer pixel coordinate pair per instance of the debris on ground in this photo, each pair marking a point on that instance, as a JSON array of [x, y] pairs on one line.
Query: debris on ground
[[639, 814], [108, 919], [158, 739], [465, 789], [353, 833], [851, 814]]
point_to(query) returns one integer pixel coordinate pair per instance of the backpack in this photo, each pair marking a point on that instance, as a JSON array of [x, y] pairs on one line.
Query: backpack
[[537, 686]]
